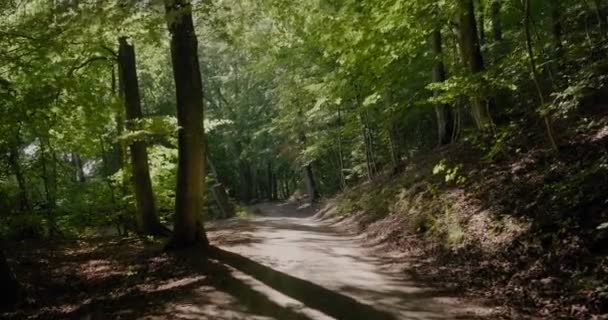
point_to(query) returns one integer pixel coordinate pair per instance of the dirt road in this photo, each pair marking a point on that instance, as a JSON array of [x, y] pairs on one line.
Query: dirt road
[[309, 271]]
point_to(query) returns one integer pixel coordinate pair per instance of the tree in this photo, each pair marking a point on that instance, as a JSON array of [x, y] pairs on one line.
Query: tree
[[472, 57], [496, 21], [445, 118], [147, 220], [188, 226], [535, 73]]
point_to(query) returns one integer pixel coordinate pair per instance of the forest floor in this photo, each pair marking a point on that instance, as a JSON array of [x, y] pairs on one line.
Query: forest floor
[[280, 264]]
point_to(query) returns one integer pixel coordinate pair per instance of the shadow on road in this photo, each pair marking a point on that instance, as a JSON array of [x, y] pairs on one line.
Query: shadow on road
[[314, 296]]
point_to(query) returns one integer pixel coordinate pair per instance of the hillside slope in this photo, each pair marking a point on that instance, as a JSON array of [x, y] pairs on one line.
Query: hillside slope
[[524, 227]]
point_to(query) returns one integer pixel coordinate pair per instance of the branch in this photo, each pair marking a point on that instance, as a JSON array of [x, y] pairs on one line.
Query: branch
[[111, 51], [86, 62]]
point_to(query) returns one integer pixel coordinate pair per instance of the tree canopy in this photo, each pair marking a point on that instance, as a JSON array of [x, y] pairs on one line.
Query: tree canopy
[[321, 92]]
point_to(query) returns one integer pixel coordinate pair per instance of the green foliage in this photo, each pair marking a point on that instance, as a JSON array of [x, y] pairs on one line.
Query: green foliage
[[451, 174], [342, 87]]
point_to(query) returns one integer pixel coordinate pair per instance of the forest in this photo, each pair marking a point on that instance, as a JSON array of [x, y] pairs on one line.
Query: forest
[[213, 159]]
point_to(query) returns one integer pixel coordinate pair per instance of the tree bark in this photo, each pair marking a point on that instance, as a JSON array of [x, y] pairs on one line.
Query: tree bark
[[10, 286], [473, 58], [311, 186], [495, 7], [445, 117], [340, 152], [80, 176], [147, 220], [556, 24], [536, 77], [188, 227], [245, 180], [482, 24], [49, 179], [24, 203]]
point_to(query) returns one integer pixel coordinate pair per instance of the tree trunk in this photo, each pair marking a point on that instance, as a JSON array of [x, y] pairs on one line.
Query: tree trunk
[[445, 118], [275, 188], [369, 151], [482, 24], [10, 286], [495, 7], [311, 187], [24, 203], [219, 191], [245, 183], [147, 220], [80, 176], [473, 58], [340, 152], [188, 228], [49, 179], [535, 76], [556, 24]]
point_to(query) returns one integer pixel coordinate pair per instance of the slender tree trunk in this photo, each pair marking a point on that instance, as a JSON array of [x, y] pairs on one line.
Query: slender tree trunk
[[309, 179], [311, 186], [80, 176], [445, 118], [340, 152], [556, 24], [189, 229], [275, 186], [219, 191], [10, 287], [369, 153], [482, 24], [147, 220], [108, 180], [473, 58], [24, 203], [49, 179], [269, 193], [535, 75], [245, 185], [286, 186], [392, 143], [495, 7]]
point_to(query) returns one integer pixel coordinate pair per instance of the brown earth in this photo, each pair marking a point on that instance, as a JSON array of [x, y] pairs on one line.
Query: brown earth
[[283, 264]]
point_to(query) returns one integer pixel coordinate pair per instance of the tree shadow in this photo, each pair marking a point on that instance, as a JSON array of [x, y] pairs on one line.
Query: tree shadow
[[314, 296]]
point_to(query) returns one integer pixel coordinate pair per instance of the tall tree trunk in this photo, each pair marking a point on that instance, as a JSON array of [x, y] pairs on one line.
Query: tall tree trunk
[[49, 179], [556, 24], [340, 152], [495, 7], [147, 220], [10, 286], [311, 186], [80, 176], [245, 183], [120, 128], [482, 23], [24, 203], [368, 155], [473, 58], [368, 141], [535, 75], [445, 117], [189, 229], [269, 192], [275, 186]]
